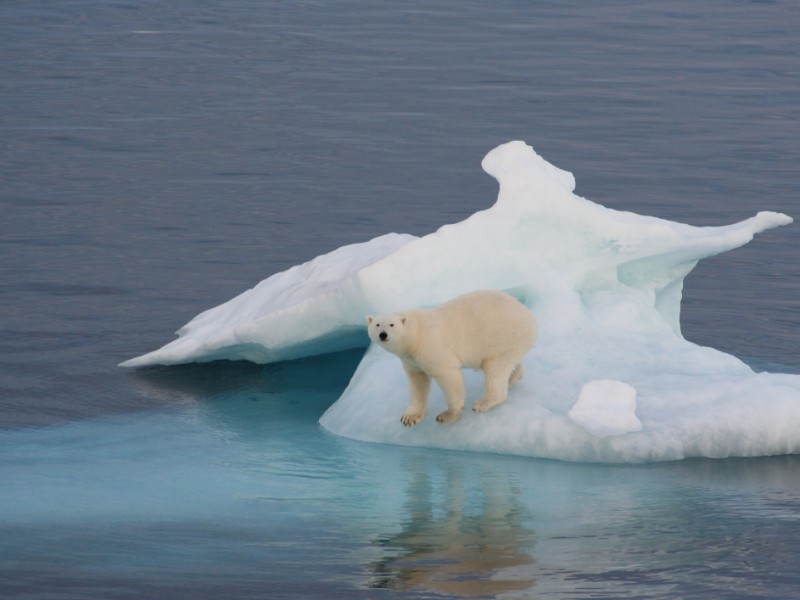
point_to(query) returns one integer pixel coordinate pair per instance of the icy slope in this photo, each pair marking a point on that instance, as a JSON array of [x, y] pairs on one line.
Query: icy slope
[[606, 288], [310, 309]]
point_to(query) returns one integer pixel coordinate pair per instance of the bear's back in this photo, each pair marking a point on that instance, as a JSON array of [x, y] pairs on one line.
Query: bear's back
[[484, 322]]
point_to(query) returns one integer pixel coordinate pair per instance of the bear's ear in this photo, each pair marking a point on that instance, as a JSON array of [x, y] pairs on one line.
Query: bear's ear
[[369, 320], [403, 320]]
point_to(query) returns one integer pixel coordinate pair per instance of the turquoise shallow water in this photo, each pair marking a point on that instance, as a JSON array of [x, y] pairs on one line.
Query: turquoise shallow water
[[157, 159], [235, 491]]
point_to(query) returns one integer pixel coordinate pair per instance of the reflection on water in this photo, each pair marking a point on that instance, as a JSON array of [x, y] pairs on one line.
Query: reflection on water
[[454, 540]]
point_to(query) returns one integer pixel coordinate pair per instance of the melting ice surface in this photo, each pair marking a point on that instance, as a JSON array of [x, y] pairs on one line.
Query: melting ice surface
[[606, 289]]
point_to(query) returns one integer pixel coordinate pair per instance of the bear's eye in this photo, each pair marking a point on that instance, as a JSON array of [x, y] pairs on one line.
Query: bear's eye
[[391, 324]]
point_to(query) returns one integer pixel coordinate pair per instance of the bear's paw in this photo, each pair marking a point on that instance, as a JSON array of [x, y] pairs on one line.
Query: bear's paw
[[411, 418], [449, 416]]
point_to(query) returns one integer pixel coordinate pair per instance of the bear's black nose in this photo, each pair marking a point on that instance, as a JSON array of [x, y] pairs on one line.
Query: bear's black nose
[[383, 335]]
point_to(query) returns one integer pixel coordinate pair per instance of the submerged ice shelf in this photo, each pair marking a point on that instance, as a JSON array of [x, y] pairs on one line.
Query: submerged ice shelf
[[606, 289]]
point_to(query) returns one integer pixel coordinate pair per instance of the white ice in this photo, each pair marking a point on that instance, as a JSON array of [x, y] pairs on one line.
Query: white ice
[[313, 308], [606, 289], [606, 407]]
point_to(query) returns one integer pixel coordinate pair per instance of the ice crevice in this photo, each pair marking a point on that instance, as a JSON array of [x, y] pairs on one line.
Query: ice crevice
[[611, 378]]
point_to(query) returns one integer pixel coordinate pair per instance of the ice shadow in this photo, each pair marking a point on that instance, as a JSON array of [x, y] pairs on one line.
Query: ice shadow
[[320, 378]]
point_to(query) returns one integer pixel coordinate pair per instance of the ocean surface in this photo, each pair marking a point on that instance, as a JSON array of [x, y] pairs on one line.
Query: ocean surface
[[157, 159]]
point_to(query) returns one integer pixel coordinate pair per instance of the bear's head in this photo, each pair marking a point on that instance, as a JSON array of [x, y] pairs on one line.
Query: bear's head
[[388, 331]]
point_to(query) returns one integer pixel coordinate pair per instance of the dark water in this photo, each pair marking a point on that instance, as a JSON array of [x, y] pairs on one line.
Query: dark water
[[158, 158]]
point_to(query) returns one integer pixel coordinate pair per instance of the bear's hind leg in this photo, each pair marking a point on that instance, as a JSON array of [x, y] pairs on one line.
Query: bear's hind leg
[[452, 384], [419, 384], [497, 377], [516, 374]]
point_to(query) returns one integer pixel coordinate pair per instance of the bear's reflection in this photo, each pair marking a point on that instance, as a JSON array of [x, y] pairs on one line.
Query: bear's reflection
[[458, 538]]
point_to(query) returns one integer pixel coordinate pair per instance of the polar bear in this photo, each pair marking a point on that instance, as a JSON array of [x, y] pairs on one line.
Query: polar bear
[[487, 330]]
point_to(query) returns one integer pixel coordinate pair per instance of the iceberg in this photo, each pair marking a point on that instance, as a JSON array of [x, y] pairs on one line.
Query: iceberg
[[605, 286]]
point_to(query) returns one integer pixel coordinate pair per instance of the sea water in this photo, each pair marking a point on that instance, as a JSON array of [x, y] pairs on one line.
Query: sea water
[[233, 491], [157, 159]]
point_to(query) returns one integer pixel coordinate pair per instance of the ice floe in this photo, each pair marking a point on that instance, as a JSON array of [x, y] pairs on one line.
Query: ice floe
[[606, 288]]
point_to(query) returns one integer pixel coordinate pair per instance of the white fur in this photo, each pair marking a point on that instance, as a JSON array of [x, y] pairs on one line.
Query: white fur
[[485, 330]]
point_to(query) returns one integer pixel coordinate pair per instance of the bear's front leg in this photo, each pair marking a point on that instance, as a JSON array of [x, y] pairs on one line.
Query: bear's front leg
[[452, 384], [419, 384]]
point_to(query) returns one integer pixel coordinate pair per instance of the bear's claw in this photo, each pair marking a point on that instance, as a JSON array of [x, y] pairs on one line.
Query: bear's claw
[[411, 419], [449, 416], [484, 405]]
